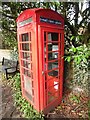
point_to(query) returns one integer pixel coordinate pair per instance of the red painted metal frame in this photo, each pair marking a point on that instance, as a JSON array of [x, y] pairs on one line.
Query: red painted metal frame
[[37, 29], [43, 100]]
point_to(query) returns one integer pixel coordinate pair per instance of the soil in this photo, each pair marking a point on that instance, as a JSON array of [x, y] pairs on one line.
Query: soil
[[8, 108], [73, 106]]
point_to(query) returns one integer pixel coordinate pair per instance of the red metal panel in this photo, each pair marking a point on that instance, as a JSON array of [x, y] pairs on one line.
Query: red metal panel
[[34, 62], [36, 76], [42, 69], [36, 66], [44, 101]]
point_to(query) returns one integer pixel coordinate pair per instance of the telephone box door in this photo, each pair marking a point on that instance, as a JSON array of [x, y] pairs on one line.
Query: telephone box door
[[52, 64]]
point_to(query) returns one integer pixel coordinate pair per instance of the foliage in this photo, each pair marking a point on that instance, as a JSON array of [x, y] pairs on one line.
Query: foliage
[[27, 110], [89, 109], [79, 54], [14, 54], [76, 16], [75, 98], [10, 11]]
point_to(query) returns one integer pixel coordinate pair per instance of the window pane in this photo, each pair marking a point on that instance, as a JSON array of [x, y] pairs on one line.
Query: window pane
[[27, 56], [25, 46], [52, 55], [28, 84], [30, 47], [53, 47], [44, 36], [52, 36], [28, 73], [52, 97], [53, 73], [27, 65], [25, 22], [25, 37], [52, 65]]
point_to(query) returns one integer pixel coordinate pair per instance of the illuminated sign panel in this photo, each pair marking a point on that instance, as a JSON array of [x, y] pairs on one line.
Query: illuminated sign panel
[[25, 22], [51, 21]]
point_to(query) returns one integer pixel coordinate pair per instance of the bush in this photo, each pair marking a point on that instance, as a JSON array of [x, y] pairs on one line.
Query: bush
[[27, 110]]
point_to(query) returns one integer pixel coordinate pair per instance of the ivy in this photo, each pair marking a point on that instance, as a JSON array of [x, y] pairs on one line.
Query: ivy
[[25, 107]]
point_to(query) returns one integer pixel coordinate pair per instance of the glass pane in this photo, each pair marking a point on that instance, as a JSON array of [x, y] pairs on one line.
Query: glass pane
[[53, 47], [28, 73], [52, 55], [27, 56], [28, 95], [44, 36], [52, 36], [25, 46], [25, 37], [44, 47], [25, 22], [53, 73], [53, 81], [27, 65], [53, 89], [52, 65], [30, 36], [28, 84], [30, 47], [53, 93]]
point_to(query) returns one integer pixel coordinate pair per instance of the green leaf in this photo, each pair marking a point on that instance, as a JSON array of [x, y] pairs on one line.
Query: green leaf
[[72, 37], [74, 49], [68, 58], [84, 60], [76, 59], [79, 59]]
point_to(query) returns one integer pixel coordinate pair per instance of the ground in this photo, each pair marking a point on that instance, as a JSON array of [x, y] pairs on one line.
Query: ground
[[8, 108], [73, 105]]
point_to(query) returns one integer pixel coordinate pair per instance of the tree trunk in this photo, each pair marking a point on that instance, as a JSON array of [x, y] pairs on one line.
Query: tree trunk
[[76, 13]]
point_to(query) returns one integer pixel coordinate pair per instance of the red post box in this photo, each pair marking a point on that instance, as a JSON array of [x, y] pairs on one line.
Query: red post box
[[40, 35]]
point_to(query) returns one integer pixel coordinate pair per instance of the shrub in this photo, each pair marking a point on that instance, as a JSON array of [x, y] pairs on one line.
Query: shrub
[[27, 110]]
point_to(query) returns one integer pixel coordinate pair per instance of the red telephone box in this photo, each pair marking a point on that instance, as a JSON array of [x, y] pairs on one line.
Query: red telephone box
[[41, 48]]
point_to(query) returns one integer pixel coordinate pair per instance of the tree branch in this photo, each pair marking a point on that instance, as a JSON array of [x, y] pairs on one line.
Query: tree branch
[[3, 14], [71, 27], [8, 29]]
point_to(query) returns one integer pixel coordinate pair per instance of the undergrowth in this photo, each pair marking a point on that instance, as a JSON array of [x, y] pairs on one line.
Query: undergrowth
[[25, 107], [89, 109]]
